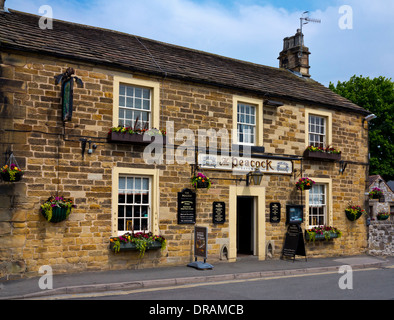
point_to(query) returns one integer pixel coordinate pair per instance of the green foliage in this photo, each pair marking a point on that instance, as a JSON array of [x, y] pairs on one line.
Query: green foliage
[[377, 96]]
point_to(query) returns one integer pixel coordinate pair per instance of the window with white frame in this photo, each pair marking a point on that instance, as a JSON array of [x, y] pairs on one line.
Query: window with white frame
[[246, 123], [134, 203], [318, 205], [134, 107], [317, 131]]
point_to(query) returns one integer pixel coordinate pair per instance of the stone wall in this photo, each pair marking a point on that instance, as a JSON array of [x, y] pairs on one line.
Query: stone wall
[[381, 234], [51, 156]]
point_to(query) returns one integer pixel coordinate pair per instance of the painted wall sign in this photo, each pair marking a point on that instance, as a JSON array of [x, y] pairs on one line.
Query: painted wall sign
[[219, 212], [244, 164], [186, 207], [67, 99]]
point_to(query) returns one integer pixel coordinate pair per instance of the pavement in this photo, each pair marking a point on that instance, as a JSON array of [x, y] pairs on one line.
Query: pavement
[[125, 280]]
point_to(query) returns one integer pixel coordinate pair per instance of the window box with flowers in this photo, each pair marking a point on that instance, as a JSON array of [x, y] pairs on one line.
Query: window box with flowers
[[135, 136], [56, 209], [376, 193], [319, 153], [322, 233], [383, 215], [200, 181], [140, 241], [354, 212], [304, 184]]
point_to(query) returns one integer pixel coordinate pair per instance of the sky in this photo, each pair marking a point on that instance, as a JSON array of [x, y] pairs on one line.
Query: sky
[[355, 37]]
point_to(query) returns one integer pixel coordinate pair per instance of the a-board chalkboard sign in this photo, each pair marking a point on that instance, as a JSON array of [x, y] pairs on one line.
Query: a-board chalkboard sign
[[201, 242], [219, 212], [294, 242], [186, 207], [275, 212]]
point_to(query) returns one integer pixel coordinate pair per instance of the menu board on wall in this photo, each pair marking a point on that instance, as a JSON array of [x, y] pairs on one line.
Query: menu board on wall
[[186, 207], [219, 212]]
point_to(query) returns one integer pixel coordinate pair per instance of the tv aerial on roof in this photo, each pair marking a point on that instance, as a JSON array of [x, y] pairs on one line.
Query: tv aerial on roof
[[305, 19]]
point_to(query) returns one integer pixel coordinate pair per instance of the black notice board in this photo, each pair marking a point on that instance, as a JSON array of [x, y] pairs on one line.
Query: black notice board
[[219, 212], [275, 212], [294, 214], [294, 242], [186, 207]]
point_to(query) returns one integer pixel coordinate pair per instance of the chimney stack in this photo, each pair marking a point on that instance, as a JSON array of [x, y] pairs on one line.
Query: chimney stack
[[2, 5], [295, 56]]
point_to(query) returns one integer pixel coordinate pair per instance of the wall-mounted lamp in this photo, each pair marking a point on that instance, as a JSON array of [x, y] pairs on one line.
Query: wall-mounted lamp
[[370, 117], [256, 176], [273, 103]]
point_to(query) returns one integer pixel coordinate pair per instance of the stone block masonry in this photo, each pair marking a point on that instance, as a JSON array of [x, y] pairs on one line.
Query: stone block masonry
[[50, 155], [381, 235]]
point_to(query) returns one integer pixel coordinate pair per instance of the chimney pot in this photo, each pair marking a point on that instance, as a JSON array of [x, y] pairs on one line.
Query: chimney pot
[[295, 56], [2, 5]]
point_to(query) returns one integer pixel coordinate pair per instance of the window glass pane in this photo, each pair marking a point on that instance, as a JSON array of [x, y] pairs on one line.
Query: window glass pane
[[122, 101], [130, 91], [138, 104], [122, 183], [137, 184], [145, 183], [129, 211], [122, 90], [129, 102], [121, 211], [138, 93], [146, 105], [121, 224], [144, 225], [146, 94], [130, 183]]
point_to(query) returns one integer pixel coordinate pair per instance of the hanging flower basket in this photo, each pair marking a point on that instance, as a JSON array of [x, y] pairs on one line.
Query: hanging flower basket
[[137, 241], [354, 212], [383, 216], [8, 176], [200, 181], [322, 233], [304, 184], [11, 171], [56, 209], [376, 193]]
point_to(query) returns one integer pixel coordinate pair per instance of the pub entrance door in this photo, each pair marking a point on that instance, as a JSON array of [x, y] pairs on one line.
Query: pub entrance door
[[245, 225]]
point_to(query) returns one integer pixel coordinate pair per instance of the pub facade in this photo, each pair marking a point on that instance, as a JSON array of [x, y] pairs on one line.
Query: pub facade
[[120, 125]]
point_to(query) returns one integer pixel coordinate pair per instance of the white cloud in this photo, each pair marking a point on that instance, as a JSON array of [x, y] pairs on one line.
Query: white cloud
[[248, 32]]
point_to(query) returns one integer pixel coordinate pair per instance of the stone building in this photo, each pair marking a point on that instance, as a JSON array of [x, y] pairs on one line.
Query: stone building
[[275, 113], [384, 203]]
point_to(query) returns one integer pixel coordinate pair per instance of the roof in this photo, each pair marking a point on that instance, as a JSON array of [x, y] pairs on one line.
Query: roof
[[20, 31]]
